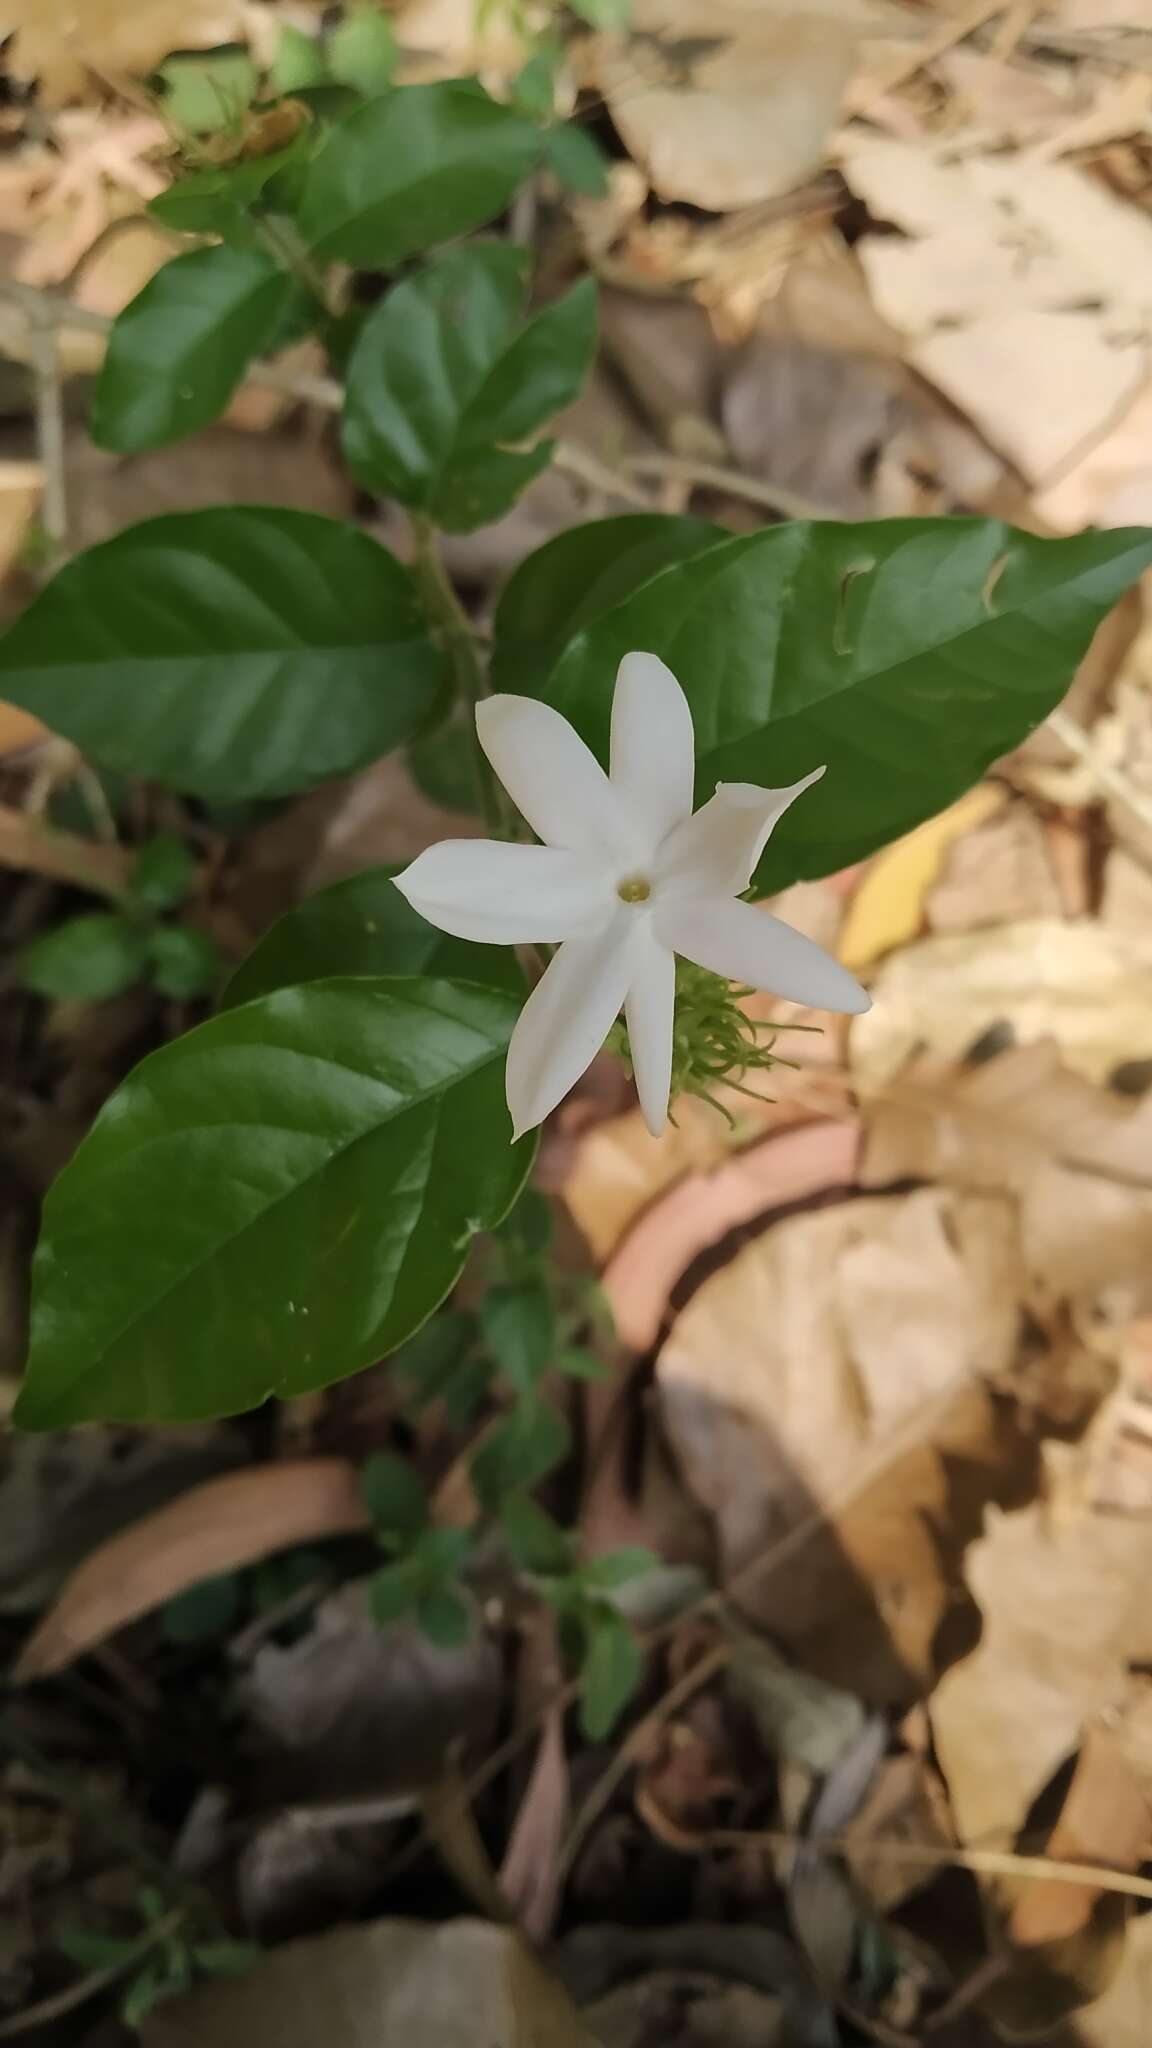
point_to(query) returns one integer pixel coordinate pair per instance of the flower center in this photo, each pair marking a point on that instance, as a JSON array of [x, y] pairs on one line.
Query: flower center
[[635, 890]]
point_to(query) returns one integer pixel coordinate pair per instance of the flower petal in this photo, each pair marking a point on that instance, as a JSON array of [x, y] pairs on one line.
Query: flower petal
[[716, 851], [567, 1018], [649, 1010], [508, 895], [747, 944], [554, 779], [653, 746]]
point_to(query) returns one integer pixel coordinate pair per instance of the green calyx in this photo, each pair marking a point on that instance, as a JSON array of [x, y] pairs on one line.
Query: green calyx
[[715, 1043]]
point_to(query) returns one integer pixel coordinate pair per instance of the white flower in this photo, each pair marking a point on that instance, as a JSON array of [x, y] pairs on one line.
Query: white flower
[[626, 878]]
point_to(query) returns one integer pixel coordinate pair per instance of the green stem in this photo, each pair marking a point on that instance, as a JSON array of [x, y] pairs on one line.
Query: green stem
[[451, 628], [282, 242]]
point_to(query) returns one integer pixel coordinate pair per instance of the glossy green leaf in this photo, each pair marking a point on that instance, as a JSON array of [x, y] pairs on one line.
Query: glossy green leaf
[[179, 350], [391, 1593], [612, 1670], [905, 654], [394, 1498], [85, 960], [443, 764], [535, 1540], [245, 651], [573, 580], [183, 961], [364, 926], [272, 1201], [221, 198], [519, 1328], [362, 50], [415, 167], [445, 373]]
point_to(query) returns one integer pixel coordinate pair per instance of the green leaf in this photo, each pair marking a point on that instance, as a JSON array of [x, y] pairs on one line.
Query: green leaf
[[202, 1611], [362, 50], [183, 961], [528, 1227], [164, 872], [220, 198], [394, 1497], [576, 158], [226, 1958], [572, 580], [613, 1667], [430, 1362], [155, 1982], [272, 1201], [245, 651], [905, 654], [96, 1951], [519, 1326], [391, 1593], [440, 1554], [522, 1447], [534, 86], [578, 1364], [364, 926], [445, 373], [445, 1615], [205, 92], [611, 14], [533, 1537], [413, 168], [86, 960], [299, 61], [616, 1567], [179, 350]]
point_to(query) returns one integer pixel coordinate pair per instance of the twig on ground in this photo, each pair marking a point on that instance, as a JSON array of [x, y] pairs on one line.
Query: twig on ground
[[954, 29], [42, 348], [1112, 781], [714, 476]]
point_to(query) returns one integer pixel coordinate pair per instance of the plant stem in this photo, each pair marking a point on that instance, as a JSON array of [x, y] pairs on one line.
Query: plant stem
[[452, 629], [282, 242]]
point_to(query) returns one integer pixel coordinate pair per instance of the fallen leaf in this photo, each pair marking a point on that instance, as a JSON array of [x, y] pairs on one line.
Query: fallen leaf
[[1111, 484], [1120, 2018], [452, 1986], [21, 488], [702, 1208], [1084, 985], [1106, 1818], [820, 1391], [531, 1875], [797, 1717], [218, 1527], [1076, 1157], [1001, 873], [352, 1709], [1021, 286], [887, 909], [730, 105], [71, 48], [1065, 1612]]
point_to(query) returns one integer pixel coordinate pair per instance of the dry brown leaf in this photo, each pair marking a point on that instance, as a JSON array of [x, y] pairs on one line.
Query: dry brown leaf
[[792, 1374], [1084, 985], [887, 909], [1106, 1818], [1000, 873], [1077, 1158], [531, 1875], [702, 1208], [215, 1528], [21, 488], [452, 1986], [727, 105], [1112, 484], [1021, 285], [72, 49], [1065, 1610], [1120, 2018]]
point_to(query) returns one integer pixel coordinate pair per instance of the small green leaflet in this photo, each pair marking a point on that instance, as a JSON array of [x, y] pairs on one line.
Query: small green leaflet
[[446, 374], [272, 1201]]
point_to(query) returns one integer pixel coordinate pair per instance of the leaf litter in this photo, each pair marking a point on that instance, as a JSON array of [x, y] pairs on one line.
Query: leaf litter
[[881, 1354]]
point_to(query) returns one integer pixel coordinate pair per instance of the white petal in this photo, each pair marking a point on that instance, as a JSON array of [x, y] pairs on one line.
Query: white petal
[[508, 895], [567, 1018], [648, 1011], [748, 945], [553, 778], [653, 746], [717, 850]]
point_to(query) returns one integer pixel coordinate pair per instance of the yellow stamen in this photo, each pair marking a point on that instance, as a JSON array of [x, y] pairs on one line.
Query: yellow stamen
[[635, 891]]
